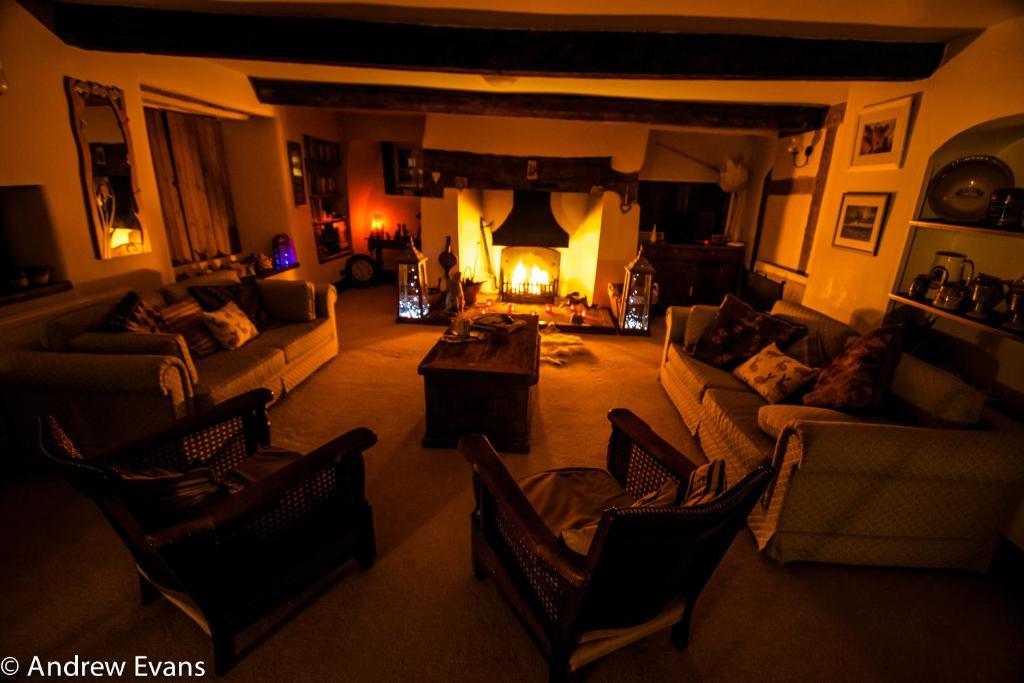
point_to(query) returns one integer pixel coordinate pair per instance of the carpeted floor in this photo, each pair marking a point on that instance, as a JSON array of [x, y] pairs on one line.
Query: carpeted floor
[[68, 585]]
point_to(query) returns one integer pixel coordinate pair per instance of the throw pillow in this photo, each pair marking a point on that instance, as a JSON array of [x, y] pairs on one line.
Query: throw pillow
[[580, 540], [132, 314], [809, 350], [245, 295], [773, 374], [162, 497], [186, 318], [231, 327], [707, 482], [738, 332], [859, 377]]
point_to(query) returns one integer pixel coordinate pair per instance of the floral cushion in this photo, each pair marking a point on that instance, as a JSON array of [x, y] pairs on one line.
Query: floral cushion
[[859, 377], [132, 314], [773, 374], [739, 332], [230, 326]]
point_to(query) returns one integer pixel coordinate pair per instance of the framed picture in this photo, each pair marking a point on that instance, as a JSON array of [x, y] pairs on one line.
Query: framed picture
[[881, 134], [861, 217], [296, 173]]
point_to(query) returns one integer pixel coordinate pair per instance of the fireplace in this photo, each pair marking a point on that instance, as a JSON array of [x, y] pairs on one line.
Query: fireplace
[[529, 274]]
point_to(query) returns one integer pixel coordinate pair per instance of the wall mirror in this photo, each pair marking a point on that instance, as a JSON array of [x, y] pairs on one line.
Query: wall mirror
[[107, 167]]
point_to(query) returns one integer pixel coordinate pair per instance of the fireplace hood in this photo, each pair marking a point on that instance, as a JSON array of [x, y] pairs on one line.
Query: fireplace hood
[[531, 223]]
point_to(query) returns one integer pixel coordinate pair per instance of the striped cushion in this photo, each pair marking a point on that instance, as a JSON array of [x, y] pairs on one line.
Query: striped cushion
[[186, 318], [707, 482]]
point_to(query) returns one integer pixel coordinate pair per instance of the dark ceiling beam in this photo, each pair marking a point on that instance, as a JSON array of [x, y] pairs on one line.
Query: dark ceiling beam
[[245, 33], [789, 118]]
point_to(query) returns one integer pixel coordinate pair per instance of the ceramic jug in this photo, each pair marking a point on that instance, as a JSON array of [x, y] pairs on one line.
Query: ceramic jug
[[953, 262]]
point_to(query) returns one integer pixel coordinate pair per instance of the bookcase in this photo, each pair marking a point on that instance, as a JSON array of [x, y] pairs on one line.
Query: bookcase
[[328, 204]]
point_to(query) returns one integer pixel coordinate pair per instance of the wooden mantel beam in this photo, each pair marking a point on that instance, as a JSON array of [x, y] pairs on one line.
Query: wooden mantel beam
[[273, 31], [782, 117]]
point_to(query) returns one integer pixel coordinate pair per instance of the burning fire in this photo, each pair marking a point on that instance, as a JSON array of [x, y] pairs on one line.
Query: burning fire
[[535, 284]]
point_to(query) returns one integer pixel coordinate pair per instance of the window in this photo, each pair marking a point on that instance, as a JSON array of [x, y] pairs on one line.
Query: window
[[192, 177]]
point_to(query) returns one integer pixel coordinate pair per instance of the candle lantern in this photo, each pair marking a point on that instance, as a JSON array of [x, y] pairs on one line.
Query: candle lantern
[[377, 226], [635, 307], [283, 249], [412, 284]]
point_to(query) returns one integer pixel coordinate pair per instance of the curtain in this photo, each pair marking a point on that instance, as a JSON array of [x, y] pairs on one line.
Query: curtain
[[199, 196]]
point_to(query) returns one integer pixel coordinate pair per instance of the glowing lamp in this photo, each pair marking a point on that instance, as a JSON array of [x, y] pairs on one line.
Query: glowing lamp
[[283, 249], [376, 225], [412, 284], [635, 307]]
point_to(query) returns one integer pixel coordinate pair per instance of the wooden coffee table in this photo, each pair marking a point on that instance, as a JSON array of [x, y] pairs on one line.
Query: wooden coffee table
[[482, 388]]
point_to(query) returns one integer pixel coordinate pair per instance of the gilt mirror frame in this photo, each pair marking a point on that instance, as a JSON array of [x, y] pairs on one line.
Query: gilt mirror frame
[[100, 206]]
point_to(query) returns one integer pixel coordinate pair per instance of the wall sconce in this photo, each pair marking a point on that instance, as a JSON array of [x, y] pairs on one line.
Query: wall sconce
[[795, 151], [3, 79]]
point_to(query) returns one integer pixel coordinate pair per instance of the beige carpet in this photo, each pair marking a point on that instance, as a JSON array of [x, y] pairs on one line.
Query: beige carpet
[[68, 585]]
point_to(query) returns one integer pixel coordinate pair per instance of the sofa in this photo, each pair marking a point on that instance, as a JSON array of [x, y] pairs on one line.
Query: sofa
[[108, 388], [932, 482]]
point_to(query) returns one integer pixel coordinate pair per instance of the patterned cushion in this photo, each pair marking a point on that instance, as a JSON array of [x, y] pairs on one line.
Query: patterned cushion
[[132, 314], [707, 482], [833, 333], [186, 318], [246, 295], [739, 332], [161, 497], [859, 377], [773, 374], [809, 350], [231, 326]]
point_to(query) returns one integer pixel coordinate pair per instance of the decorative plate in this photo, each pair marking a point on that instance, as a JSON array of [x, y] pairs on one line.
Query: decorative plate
[[961, 190]]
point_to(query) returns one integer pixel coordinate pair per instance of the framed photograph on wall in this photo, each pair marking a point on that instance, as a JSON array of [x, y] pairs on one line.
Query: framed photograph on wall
[[861, 218], [881, 134], [296, 173]]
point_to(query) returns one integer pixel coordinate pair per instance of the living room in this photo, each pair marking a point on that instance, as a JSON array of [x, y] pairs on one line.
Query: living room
[[363, 196]]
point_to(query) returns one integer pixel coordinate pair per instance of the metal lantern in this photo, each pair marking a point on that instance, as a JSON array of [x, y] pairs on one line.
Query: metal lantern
[[283, 249], [412, 284], [635, 306]]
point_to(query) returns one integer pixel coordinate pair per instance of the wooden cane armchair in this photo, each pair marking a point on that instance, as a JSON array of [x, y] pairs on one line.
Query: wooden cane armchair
[[644, 569], [230, 562]]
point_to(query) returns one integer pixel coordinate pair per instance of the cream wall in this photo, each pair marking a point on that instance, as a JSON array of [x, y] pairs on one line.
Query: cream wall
[[37, 146]]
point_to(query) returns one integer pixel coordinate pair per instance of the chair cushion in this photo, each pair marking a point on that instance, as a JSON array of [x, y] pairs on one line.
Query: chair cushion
[[729, 423], [859, 377], [832, 332], [186, 318], [928, 396], [160, 497], [707, 482], [697, 376], [297, 339], [572, 498], [774, 375], [231, 326], [227, 374], [739, 332]]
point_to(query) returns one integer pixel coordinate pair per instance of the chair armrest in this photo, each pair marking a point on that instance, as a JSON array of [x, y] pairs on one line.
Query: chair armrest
[[326, 297], [257, 495], [289, 300], [93, 372], [628, 430], [150, 344], [907, 452], [512, 502]]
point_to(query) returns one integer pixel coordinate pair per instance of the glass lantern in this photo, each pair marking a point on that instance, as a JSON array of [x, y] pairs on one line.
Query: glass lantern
[[412, 284], [284, 252], [635, 307]]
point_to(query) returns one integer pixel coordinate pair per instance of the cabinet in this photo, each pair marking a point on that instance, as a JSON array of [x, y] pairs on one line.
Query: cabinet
[[690, 274], [403, 168], [327, 203]]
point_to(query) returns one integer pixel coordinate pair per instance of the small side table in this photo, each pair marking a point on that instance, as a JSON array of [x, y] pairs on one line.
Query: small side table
[[377, 245]]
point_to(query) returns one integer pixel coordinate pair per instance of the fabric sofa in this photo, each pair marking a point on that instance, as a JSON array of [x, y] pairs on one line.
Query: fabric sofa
[[930, 492], [110, 387]]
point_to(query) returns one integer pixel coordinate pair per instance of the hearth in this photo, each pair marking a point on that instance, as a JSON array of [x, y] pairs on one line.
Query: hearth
[[529, 274]]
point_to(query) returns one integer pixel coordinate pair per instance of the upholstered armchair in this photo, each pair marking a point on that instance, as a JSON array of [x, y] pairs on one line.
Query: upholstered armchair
[[645, 566], [220, 523]]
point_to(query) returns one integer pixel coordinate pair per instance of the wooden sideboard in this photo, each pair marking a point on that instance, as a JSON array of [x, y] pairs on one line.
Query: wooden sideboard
[[690, 274]]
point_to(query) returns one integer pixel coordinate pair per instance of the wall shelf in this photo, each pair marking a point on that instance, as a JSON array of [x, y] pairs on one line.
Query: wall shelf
[[968, 228], [958, 317]]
